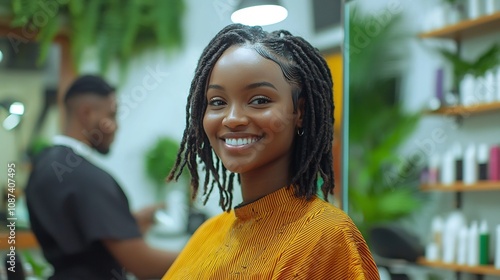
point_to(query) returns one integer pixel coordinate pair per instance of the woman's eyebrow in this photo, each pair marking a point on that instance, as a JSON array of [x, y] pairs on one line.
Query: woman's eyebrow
[[260, 84], [250, 86], [215, 87]]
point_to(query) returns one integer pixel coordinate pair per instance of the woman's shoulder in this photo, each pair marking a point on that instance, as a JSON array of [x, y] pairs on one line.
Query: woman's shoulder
[[329, 216], [217, 222]]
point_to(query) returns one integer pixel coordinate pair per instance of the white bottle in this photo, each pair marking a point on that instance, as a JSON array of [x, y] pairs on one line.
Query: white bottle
[[470, 165], [467, 86], [497, 251], [489, 88], [448, 168], [489, 6], [473, 8], [437, 236], [454, 223], [473, 244], [462, 245]]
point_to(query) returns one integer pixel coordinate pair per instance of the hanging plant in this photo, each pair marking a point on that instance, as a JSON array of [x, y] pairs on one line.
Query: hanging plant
[[118, 29]]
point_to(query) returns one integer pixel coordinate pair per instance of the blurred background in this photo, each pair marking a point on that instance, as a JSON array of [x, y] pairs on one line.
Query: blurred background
[[417, 114]]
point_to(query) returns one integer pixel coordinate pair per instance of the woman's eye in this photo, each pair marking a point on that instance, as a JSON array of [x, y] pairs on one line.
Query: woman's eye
[[216, 102], [260, 100]]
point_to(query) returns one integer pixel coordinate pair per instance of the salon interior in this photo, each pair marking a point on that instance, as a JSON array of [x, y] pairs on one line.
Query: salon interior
[[416, 147]]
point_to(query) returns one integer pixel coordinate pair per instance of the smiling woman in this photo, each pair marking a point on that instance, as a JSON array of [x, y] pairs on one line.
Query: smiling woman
[[260, 108]]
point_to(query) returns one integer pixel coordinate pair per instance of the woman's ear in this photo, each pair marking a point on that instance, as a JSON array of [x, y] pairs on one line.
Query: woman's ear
[[300, 111]]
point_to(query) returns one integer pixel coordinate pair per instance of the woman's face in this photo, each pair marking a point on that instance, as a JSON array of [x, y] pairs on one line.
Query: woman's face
[[249, 119]]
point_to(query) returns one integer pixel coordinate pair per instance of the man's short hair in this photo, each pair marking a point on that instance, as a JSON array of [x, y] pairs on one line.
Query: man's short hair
[[88, 84]]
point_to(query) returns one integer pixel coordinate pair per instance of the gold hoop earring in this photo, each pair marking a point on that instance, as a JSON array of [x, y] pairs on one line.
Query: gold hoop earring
[[300, 131]]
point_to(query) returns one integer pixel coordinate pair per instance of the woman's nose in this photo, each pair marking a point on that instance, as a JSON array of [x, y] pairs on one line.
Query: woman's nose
[[235, 117]]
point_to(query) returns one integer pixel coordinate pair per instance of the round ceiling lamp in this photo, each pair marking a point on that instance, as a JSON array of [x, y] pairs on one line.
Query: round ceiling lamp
[[259, 12]]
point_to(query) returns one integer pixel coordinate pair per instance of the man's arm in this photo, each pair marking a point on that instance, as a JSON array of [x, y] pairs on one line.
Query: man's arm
[[139, 258], [145, 216]]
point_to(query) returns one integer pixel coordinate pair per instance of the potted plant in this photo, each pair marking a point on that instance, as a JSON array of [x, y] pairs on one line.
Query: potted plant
[[159, 160], [478, 67]]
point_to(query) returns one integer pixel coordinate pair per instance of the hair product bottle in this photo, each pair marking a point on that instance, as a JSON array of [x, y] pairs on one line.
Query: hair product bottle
[[459, 162], [433, 176], [470, 165], [484, 243], [462, 245], [453, 224], [494, 164], [489, 87], [482, 161], [497, 253], [490, 6], [448, 169], [473, 244], [437, 236]]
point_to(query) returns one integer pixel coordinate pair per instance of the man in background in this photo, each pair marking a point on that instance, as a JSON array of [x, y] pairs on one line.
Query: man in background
[[78, 212]]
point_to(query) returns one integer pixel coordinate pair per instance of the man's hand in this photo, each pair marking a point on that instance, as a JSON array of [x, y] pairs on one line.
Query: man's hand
[[145, 217]]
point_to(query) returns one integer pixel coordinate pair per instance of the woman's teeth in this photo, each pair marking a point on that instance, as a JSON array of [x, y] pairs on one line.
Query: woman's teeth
[[240, 141]]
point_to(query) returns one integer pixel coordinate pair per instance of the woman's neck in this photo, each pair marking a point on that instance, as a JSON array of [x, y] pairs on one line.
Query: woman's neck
[[265, 180]]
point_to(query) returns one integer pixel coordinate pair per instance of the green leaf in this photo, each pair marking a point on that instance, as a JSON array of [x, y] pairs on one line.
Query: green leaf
[[488, 60], [160, 159], [46, 37], [119, 29]]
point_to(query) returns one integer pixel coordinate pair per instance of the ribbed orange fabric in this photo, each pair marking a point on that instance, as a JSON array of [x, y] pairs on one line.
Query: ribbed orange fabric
[[277, 237]]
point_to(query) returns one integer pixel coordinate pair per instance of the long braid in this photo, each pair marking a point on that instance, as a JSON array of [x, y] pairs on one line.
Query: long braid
[[304, 69]]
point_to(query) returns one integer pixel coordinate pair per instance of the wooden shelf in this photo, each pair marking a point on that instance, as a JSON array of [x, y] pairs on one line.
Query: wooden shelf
[[467, 29], [467, 110], [483, 269], [460, 187]]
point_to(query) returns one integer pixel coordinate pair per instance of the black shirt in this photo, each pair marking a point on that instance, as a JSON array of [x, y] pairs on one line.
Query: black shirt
[[73, 205]]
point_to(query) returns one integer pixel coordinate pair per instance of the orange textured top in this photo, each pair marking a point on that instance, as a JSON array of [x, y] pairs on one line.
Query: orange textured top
[[277, 237]]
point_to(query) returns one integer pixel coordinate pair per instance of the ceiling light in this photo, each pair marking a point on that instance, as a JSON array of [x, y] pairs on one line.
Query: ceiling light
[[259, 12], [16, 108]]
